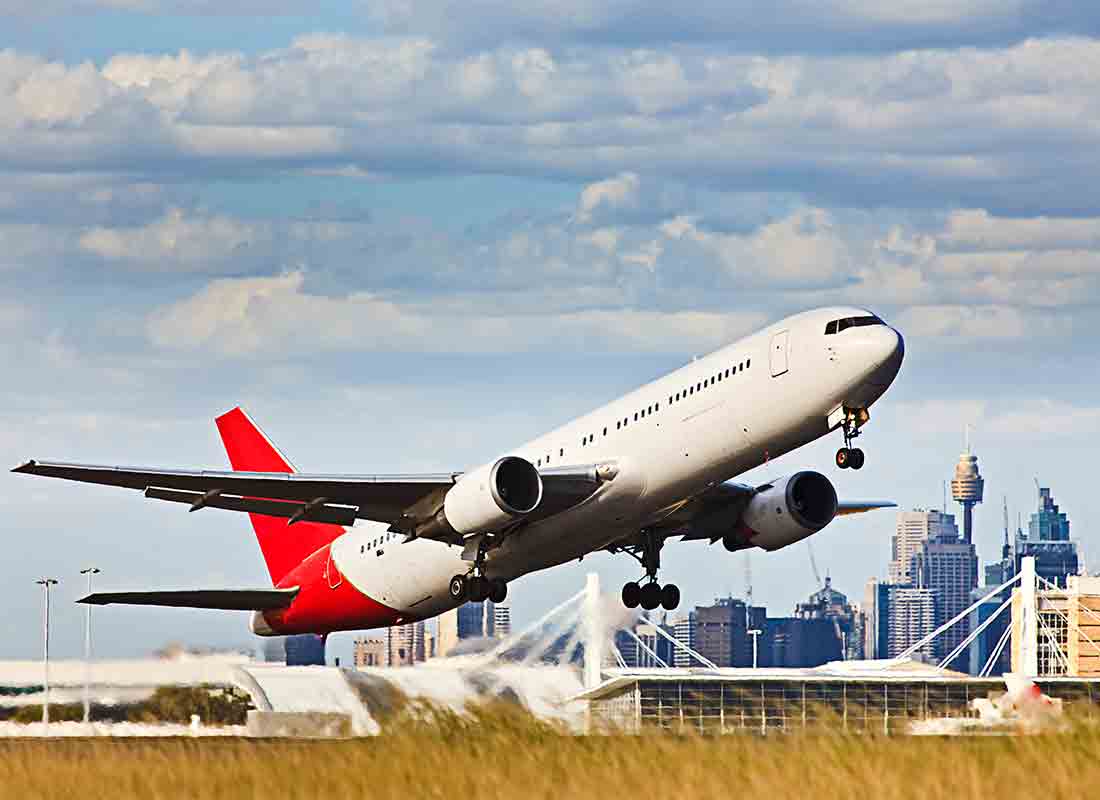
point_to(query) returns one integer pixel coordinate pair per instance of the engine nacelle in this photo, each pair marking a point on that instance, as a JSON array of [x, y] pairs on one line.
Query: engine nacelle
[[790, 510], [489, 498]]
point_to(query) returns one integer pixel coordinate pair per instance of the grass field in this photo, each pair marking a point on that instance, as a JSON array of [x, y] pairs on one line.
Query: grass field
[[505, 754]]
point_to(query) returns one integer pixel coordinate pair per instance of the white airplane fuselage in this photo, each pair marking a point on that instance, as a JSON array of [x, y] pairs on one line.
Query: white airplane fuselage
[[705, 423]]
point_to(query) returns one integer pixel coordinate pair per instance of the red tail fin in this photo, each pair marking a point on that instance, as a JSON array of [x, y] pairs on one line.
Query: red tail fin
[[250, 450]]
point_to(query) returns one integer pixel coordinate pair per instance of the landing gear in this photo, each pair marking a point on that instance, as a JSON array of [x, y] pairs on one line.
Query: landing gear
[[649, 595], [476, 587], [849, 457]]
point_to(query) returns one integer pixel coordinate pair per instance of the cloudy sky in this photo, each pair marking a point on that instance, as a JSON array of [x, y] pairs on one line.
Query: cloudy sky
[[408, 235]]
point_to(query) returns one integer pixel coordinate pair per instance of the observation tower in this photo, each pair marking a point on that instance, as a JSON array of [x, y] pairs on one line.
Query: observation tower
[[967, 488]]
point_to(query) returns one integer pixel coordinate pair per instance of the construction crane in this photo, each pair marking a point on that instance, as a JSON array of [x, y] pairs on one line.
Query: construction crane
[[813, 564]]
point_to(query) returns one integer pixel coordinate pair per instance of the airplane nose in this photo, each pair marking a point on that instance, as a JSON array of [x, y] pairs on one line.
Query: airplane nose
[[888, 350]]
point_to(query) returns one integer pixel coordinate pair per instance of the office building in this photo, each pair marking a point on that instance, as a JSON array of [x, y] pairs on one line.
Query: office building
[[468, 622], [502, 621], [913, 529], [910, 616], [405, 644], [801, 642], [683, 629], [829, 604], [721, 631], [1048, 541], [370, 652], [950, 571], [305, 650], [658, 650]]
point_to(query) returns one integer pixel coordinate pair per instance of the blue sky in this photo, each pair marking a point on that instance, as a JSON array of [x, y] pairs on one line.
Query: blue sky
[[406, 237]]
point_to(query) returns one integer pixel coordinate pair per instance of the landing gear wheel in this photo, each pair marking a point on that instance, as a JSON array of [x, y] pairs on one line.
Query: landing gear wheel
[[670, 596], [458, 588], [844, 458], [632, 595], [498, 590], [855, 458], [478, 588], [651, 596]]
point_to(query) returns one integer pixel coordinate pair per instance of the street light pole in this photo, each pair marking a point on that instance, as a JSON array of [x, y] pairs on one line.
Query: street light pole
[[89, 571], [755, 634], [46, 583]]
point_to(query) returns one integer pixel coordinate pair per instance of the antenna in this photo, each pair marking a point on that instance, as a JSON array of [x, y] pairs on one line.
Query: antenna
[[967, 437], [748, 588]]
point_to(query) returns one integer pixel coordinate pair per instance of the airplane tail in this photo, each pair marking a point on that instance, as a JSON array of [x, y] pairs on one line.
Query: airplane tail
[[249, 450]]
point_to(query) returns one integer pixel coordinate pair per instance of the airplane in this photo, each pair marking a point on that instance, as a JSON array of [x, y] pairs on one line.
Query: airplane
[[653, 465]]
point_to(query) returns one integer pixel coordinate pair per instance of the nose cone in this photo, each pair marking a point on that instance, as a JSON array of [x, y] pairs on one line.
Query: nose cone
[[885, 349], [876, 352]]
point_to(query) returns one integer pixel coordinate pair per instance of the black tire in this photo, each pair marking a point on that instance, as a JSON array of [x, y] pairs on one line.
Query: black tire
[[670, 596], [632, 595], [651, 596], [729, 541], [843, 458], [857, 459], [458, 588], [477, 589], [498, 590]]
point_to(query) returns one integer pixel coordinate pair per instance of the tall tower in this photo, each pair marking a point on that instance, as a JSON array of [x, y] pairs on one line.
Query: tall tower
[[967, 487]]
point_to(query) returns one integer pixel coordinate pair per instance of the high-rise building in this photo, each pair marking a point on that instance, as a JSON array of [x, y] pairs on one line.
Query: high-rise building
[[950, 570], [983, 647], [683, 629], [305, 650], [502, 621], [467, 622], [405, 644], [656, 645], [910, 616], [801, 642], [967, 489], [829, 604], [370, 652], [913, 529], [721, 631], [1048, 542]]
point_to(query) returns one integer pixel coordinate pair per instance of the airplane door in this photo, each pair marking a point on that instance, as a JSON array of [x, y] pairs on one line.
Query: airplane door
[[780, 344]]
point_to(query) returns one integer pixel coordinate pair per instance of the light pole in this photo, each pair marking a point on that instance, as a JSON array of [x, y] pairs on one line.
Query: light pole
[[46, 583], [89, 571], [755, 634]]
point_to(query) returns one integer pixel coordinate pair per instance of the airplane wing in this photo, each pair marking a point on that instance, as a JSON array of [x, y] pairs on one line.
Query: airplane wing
[[223, 599], [846, 507], [401, 500]]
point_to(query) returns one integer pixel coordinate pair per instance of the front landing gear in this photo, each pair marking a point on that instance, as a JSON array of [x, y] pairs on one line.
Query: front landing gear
[[650, 595], [849, 457]]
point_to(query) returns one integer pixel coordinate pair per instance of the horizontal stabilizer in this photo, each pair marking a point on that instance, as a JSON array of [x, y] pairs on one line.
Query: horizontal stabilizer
[[223, 599], [859, 506]]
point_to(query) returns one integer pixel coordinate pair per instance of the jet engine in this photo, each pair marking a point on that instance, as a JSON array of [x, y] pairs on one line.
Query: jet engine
[[786, 511], [489, 498]]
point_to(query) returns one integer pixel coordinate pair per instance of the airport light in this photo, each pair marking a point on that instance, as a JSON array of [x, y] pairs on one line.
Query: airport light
[[46, 583], [754, 633], [89, 571]]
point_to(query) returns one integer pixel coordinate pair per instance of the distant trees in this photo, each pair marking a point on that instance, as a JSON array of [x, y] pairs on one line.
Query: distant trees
[[215, 705]]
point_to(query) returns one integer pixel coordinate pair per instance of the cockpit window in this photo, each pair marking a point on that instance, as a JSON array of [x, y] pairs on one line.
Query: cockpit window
[[838, 325]]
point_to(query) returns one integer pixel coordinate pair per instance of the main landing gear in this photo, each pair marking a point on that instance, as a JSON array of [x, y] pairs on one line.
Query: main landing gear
[[476, 586], [650, 594], [849, 457]]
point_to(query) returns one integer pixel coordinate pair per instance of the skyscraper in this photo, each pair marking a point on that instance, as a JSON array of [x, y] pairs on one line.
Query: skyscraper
[[829, 604], [950, 570], [468, 621], [683, 628], [913, 529], [721, 631], [911, 615], [502, 620], [1048, 541]]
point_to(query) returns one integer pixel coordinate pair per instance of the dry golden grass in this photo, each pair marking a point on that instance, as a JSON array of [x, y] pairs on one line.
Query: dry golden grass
[[504, 754]]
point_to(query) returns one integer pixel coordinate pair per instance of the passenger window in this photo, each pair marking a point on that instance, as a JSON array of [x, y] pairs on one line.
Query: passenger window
[[605, 431], [635, 416], [748, 363], [561, 451]]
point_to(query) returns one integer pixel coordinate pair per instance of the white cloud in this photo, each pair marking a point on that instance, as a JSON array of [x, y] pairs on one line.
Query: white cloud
[[618, 192], [176, 241], [277, 317]]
